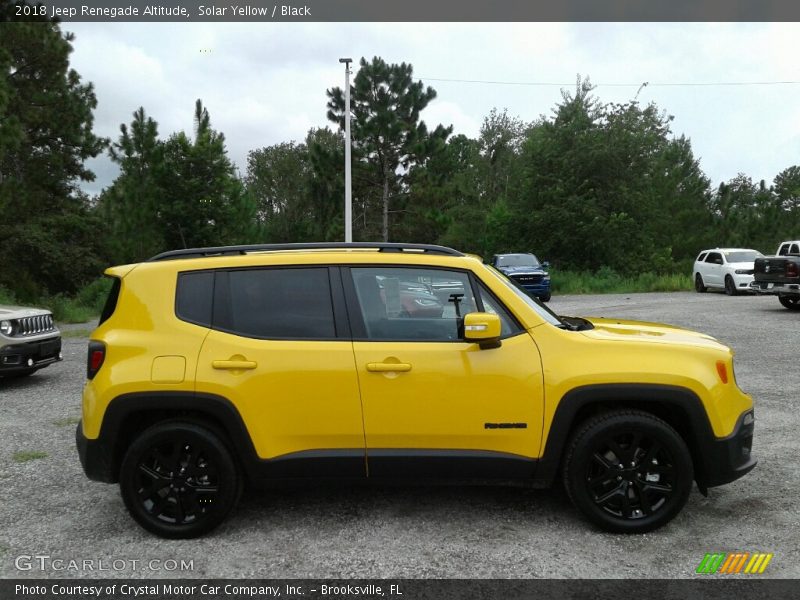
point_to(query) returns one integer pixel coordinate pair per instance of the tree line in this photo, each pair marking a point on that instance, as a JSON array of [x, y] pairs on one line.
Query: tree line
[[592, 185]]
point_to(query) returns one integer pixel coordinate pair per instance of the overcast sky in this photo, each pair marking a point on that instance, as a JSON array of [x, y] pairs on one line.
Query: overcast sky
[[265, 83]]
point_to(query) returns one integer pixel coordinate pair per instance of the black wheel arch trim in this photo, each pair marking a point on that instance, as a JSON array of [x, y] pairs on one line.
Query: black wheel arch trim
[[695, 426], [102, 456]]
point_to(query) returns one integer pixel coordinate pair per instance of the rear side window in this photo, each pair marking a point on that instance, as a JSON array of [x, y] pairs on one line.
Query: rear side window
[[277, 303], [111, 301], [194, 297], [784, 250], [794, 249], [701, 257]]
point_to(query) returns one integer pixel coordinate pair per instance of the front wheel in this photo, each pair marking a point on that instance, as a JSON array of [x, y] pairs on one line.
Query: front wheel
[[545, 298], [790, 302], [730, 286], [179, 480], [699, 286], [628, 471]]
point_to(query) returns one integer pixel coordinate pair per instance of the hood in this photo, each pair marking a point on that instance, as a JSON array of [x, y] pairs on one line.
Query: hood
[[742, 265], [620, 330], [18, 312]]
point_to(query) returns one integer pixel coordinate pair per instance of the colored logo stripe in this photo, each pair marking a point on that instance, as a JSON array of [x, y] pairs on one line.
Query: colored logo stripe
[[734, 563]]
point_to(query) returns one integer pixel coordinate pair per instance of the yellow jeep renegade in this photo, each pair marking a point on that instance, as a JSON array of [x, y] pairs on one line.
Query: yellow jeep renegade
[[264, 364]]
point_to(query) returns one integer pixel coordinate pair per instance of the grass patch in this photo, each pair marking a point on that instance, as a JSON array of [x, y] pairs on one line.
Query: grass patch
[[76, 333], [68, 310], [606, 281], [67, 421], [28, 455]]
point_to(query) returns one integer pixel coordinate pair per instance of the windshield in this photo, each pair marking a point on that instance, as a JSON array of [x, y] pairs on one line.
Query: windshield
[[544, 312], [743, 256], [517, 260]]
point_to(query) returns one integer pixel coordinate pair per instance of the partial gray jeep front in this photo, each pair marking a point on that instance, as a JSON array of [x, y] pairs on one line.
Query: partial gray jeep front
[[29, 340]]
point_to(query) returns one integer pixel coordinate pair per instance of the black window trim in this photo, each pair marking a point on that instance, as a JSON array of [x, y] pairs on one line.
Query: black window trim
[[341, 325], [356, 317]]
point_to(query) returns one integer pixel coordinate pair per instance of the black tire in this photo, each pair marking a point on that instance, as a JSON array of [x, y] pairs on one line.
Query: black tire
[[546, 298], [730, 286], [179, 480], [699, 287], [790, 302], [636, 497]]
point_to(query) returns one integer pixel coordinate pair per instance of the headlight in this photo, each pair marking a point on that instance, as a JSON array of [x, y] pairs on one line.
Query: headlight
[[743, 272], [6, 328]]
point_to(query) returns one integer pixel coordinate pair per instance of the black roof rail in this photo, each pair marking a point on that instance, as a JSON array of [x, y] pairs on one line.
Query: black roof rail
[[241, 250]]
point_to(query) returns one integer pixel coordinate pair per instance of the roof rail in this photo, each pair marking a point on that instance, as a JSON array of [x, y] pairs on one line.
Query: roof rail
[[241, 250]]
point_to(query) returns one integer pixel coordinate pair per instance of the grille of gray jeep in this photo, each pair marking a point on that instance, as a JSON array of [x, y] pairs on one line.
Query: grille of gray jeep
[[34, 325]]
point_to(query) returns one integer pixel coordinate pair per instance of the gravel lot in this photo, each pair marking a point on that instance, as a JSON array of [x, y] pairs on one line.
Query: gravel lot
[[50, 508]]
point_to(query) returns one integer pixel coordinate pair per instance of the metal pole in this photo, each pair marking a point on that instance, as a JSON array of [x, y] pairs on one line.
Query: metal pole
[[348, 191]]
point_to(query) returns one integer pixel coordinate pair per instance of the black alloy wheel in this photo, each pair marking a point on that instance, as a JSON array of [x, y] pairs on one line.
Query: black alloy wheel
[[628, 471], [730, 286], [790, 302], [699, 286], [178, 480]]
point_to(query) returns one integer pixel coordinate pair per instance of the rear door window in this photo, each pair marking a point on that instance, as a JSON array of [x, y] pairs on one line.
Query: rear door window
[[276, 303]]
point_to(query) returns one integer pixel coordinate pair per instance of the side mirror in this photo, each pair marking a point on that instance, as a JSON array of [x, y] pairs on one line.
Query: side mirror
[[482, 328], [546, 264]]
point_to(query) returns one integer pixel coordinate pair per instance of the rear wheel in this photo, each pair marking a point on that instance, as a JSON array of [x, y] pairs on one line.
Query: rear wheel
[[730, 286], [628, 471], [179, 480], [790, 302], [699, 286]]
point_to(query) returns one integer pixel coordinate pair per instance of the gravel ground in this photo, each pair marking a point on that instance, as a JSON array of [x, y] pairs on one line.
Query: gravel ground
[[50, 508]]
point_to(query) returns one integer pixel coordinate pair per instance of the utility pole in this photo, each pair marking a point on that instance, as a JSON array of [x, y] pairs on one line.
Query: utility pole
[[348, 185]]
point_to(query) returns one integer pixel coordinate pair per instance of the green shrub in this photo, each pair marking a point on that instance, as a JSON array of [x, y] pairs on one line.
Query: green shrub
[[608, 281], [94, 295], [68, 310], [7, 296]]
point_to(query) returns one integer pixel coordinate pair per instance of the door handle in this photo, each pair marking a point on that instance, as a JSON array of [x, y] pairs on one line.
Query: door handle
[[388, 367], [233, 365]]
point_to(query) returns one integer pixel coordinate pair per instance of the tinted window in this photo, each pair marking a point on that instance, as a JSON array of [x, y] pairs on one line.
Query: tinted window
[[111, 301], [279, 303], [784, 250], [714, 257], [194, 296], [745, 256], [412, 304], [517, 260], [794, 249], [701, 257]]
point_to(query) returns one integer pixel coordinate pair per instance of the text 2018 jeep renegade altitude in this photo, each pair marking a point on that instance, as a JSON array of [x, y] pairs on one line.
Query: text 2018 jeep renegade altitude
[[265, 364]]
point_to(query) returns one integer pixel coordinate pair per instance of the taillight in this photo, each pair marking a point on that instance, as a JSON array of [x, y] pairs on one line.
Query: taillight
[[792, 270], [95, 359]]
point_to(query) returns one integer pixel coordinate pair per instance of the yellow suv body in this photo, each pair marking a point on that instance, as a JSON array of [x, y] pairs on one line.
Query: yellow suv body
[[264, 364]]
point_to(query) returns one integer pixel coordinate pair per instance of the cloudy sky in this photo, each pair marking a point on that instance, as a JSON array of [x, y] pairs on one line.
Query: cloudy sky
[[265, 83]]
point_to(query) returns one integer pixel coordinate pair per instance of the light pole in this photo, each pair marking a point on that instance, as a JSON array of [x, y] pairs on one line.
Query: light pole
[[348, 191]]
